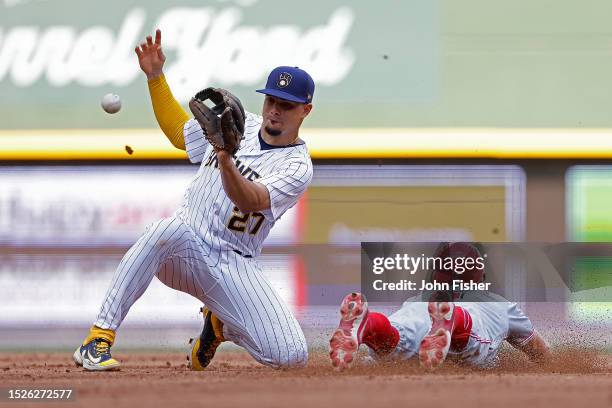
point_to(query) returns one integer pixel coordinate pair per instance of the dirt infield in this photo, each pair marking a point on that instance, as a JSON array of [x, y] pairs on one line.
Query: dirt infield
[[235, 380]]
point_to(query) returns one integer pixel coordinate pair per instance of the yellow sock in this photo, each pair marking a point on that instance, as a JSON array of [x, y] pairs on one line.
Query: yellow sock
[[217, 326], [97, 333]]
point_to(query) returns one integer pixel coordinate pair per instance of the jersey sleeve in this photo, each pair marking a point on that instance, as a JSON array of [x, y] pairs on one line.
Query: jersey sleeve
[[286, 185], [520, 328], [195, 142]]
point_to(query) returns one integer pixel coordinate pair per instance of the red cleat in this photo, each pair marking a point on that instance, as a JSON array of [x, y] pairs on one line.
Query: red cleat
[[434, 347], [345, 341]]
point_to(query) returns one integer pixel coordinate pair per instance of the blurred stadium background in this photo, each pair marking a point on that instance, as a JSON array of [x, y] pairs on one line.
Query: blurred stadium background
[[434, 120]]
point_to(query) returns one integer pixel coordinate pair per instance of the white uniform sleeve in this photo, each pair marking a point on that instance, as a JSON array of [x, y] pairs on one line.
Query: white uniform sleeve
[[195, 142], [520, 328], [286, 186]]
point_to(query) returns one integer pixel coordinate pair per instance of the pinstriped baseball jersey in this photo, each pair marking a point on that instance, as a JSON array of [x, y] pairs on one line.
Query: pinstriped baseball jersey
[[285, 171], [194, 250]]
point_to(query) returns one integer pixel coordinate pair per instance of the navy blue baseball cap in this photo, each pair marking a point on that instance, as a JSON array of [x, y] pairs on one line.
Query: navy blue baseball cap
[[290, 83]]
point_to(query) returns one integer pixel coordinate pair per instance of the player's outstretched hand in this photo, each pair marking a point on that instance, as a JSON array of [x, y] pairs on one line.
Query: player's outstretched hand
[[151, 57]]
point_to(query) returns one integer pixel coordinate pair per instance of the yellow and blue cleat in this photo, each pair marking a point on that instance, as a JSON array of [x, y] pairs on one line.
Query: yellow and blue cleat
[[203, 348], [95, 356]]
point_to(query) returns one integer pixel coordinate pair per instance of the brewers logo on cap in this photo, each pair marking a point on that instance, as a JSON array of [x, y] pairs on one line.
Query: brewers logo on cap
[[284, 80], [290, 83]]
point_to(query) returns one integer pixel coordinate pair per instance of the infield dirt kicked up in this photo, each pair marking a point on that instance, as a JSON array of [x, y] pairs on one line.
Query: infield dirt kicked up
[[234, 379]]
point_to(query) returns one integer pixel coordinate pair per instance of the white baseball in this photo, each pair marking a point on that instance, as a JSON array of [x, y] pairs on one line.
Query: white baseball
[[111, 103]]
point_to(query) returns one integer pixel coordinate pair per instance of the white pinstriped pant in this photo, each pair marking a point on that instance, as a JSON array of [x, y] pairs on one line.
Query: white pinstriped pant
[[233, 287]]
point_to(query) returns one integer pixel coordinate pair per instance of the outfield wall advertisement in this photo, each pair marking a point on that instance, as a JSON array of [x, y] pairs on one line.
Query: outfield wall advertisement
[[111, 205], [57, 58], [383, 64], [64, 229]]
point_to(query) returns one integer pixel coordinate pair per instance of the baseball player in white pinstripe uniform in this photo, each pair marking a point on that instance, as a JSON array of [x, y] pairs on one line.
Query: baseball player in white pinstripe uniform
[[209, 247]]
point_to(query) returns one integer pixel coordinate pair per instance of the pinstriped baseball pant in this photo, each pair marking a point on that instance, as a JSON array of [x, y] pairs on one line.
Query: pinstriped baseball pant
[[233, 287]]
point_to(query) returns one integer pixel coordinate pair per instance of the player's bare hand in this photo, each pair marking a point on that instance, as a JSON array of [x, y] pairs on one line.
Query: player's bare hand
[[151, 58]]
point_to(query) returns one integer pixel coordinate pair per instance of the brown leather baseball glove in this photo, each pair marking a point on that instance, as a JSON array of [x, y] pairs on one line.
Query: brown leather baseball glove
[[223, 124]]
